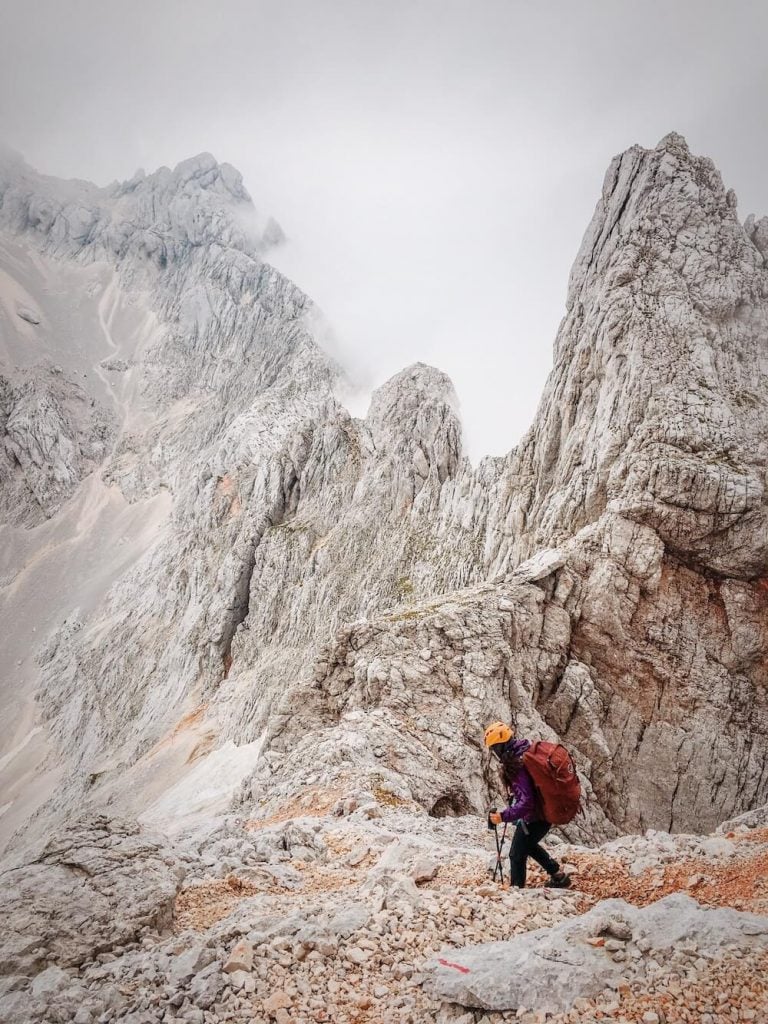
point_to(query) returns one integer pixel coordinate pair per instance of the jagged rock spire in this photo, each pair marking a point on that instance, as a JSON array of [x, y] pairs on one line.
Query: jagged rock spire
[[656, 405]]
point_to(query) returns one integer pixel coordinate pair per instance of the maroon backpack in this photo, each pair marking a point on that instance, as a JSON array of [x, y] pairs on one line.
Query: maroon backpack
[[554, 775]]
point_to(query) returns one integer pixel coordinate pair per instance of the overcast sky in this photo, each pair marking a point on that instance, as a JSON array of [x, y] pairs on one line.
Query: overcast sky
[[434, 164]]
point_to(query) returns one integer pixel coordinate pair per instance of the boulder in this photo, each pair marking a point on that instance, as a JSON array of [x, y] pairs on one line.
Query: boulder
[[548, 969], [241, 957], [94, 885]]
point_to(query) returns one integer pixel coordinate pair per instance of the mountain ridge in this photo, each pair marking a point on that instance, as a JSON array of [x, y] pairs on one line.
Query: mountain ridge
[[642, 475], [251, 641]]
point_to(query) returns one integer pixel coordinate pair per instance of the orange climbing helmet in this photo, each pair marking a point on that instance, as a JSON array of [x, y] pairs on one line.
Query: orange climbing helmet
[[497, 732]]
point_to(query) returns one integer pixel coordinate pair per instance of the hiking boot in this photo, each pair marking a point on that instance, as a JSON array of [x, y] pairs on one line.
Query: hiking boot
[[559, 880]]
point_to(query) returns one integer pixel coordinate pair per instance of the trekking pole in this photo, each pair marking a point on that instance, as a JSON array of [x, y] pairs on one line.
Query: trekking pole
[[499, 868], [501, 854]]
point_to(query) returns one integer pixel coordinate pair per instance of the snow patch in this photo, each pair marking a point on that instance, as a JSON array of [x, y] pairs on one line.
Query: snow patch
[[207, 789]]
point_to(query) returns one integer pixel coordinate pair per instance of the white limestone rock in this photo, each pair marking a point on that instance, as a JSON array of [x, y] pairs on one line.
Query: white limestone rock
[[52, 435], [602, 582], [94, 885], [548, 969]]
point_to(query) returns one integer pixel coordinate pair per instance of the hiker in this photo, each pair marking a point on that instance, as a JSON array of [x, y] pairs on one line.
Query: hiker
[[525, 808]]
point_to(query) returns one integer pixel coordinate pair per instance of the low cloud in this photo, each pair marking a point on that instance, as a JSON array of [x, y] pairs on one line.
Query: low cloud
[[433, 164]]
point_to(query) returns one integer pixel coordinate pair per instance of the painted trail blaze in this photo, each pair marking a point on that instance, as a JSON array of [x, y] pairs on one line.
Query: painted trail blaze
[[456, 967]]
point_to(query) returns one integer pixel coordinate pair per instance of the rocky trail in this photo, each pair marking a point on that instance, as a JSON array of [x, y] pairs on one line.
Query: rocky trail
[[364, 913]]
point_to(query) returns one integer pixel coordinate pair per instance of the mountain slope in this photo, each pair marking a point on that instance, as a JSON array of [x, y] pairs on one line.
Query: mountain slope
[[640, 637], [200, 532]]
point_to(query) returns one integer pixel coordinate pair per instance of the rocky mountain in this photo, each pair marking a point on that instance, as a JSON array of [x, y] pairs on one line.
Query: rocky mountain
[[222, 596], [615, 559], [165, 382]]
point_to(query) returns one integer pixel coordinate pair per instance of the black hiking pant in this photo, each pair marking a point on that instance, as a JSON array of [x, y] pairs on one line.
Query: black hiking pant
[[525, 844]]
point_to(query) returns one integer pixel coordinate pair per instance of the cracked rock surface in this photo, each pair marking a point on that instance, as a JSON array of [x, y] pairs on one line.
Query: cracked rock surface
[[226, 604], [549, 969], [53, 436], [95, 885], [275, 572]]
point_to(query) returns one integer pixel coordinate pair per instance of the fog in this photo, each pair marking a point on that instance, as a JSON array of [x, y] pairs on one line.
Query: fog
[[433, 164]]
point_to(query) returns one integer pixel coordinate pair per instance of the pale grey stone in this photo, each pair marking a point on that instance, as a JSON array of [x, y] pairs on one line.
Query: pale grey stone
[[601, 582], [190, 962], [348, 920], [49, 982], [94, 884], [546, 970]]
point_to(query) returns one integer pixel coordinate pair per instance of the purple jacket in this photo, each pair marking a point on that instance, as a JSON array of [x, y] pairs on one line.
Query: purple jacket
[[524, 806]]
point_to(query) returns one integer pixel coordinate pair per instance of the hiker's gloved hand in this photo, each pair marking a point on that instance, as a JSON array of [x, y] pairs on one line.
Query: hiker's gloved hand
[[495, 818]]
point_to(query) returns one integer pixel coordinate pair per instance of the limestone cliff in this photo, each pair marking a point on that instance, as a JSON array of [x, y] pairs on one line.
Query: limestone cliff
[[243, 579]]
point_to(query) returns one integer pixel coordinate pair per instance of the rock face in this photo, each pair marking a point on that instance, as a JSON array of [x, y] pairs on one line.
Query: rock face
[[640, 495], [656, 400], [290, 597], [53, 436], [94, 885]]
